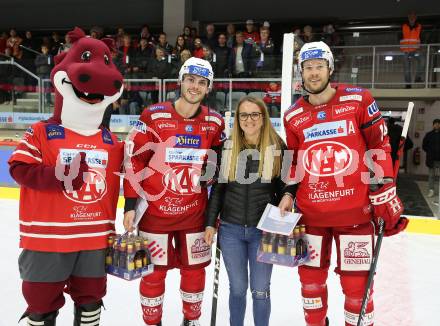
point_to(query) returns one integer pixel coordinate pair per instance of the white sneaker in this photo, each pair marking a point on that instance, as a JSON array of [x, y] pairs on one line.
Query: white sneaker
[[431, 193]]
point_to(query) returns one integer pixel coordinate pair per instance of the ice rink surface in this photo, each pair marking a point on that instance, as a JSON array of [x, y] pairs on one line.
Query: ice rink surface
[[407, 287]]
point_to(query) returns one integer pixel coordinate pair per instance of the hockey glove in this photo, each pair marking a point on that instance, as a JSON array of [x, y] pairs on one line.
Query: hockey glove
[[387, 206]]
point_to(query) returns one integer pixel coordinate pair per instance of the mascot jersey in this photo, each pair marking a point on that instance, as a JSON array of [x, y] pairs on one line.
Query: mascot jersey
[[330, 142], [173, 154], [70, 220]]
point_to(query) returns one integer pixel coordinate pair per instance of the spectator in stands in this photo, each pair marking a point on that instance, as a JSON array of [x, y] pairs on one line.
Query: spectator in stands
[[251, 36], [208, 56], [143, 55], [119, 37], [130, 102], [97, 32], [159, 68], [179, 46], [410, 46], [28, 55], [223, 54], [194, 33], [189, 41], [329, 36], [163, 43], [230, 35], [56, 44], [272, 98], [241, 57], [265, 58], [67, 44], [3, 39], [145, 33], [14, 42], [308, 35], [128, 56], [6, 75], [43, 66], [184, 55], [210, 38], [198, 49], [431, 145]]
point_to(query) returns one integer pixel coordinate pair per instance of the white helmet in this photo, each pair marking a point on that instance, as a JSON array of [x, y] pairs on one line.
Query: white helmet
[[199, 67], [316, 50]]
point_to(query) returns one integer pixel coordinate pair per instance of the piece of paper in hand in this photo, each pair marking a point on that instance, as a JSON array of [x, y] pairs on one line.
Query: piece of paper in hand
[[272, 221], [140, 208]]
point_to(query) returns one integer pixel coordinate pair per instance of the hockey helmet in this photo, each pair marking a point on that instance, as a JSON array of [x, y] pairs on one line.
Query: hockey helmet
[[199, 67], [316, 50]]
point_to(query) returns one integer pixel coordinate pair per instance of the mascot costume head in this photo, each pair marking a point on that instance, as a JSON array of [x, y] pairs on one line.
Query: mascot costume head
[[86, 81]]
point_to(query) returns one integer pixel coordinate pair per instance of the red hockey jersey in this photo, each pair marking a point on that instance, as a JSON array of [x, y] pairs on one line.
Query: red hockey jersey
[[68, 221], [170, 152], [330, 162]]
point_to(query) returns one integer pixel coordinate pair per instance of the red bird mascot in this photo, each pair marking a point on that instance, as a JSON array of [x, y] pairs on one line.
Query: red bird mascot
[[67, 169]]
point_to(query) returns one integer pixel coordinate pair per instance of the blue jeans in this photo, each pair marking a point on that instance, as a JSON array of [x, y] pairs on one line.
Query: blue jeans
[[239, 245]]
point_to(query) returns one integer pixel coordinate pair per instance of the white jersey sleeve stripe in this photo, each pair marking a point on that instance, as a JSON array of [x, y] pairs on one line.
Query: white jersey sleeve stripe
[[18, 151], [30, 146], [66, 236], [35, 223]]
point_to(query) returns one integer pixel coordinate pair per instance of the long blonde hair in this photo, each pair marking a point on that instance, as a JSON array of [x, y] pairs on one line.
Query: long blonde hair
[[268, 143]]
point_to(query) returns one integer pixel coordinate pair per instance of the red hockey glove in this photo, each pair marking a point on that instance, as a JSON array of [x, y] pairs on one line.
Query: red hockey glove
[[72, 180], [387, 206]]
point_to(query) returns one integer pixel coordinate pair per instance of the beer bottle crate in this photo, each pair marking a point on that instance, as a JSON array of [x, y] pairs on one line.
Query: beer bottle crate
[[284, 250], [128, 257]]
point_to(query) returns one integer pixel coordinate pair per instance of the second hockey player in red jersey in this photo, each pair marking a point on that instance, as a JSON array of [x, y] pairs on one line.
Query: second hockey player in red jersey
[[335, 132], [170, 145]]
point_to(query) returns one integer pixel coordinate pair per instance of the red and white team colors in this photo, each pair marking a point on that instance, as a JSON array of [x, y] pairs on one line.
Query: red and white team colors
[[69, 221], [175, 199], [330, 162]]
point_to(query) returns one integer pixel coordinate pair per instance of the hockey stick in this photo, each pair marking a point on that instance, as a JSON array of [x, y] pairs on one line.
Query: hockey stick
[[373, 265], [216, 280], [217, 247]]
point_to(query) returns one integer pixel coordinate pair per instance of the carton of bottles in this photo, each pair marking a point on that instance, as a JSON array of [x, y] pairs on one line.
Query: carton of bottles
[[284, 250], [128, 257]]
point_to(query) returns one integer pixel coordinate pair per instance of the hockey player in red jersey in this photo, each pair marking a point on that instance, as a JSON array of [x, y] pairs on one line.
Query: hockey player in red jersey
[[333, 132], [66, 168], [178, 136]]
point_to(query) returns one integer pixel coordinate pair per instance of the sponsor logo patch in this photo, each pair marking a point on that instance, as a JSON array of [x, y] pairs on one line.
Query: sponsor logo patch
[[343, 109], [294, 113], [321, 115], [55, 132], [140, 126], [156, 108], [326, 130], [214, 119], [166, 125], [351, 97], [373, 108], [95, 159], [206, 127], [354, 89], [302, 119], [161, 115], [194, 141], [189, 128], [185, 155], [356, 251], [312, 303]]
